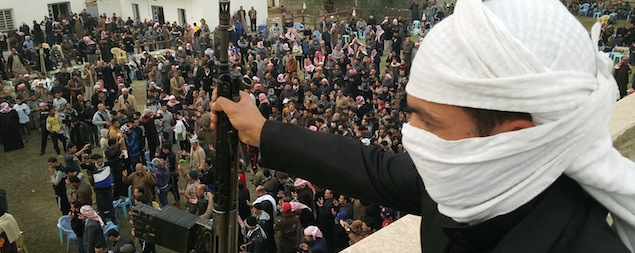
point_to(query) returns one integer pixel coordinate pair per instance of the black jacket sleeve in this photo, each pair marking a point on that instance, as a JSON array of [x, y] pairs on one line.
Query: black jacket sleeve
[[344, 165]]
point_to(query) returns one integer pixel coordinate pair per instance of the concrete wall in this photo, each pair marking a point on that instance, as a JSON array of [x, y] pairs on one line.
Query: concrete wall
[[29, 10], [194, 9]]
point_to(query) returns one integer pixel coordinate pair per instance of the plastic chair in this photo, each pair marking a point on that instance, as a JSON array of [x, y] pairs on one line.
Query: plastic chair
[[415, 32], [416, 24], [123, 205], [298, 26], [317, 34], [597, 14], [361, 34], [110, 225], [346, 38], [584, 8], [64, 227], [617, 56], [264, 30], [613, 15], [119, 54]]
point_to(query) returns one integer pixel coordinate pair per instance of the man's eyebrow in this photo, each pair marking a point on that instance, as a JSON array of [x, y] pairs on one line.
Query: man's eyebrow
[[422, 113]]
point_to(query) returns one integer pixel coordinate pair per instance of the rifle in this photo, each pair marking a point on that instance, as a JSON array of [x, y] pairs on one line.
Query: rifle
[[225, 232]]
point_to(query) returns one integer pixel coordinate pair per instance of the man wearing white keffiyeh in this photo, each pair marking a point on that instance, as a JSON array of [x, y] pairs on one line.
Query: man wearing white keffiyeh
[[517, 60], [508, 141]]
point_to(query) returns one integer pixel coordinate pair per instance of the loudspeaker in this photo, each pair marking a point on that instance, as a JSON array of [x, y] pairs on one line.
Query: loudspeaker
[[171, 227]]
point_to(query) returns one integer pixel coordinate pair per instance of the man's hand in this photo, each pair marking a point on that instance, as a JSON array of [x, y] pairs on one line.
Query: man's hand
[[320, 202], [124, 173], [244, 116]]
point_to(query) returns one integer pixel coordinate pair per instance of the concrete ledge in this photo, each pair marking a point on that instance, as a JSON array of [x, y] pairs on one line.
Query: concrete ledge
[[621, 126], [400, 236]]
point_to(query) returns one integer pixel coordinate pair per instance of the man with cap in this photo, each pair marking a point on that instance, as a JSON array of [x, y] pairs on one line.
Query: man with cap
[[197, 155], [189, 193], [290, 230], [162, 179], [511, 147], [171, 162], [254, 238], [340, 233]]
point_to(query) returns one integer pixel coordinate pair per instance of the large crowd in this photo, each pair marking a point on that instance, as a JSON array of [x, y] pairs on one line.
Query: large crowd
[[70, 87]]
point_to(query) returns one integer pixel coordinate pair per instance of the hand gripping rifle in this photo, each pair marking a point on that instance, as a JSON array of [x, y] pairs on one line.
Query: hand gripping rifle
[[225, 239], [182, 231]]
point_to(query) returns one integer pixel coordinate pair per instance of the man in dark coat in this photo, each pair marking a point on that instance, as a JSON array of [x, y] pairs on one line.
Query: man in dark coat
[[290, 229], [254, 238], [621, 73], [10, 128]]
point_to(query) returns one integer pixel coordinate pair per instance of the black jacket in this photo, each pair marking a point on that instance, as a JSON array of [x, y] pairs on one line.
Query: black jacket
[[562, 219]]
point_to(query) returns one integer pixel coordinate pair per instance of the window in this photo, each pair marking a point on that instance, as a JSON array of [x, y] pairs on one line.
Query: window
[[157, 14], [6, 20], [135, 11]]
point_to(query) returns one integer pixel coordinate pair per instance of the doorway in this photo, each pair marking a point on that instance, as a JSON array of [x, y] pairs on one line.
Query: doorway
[[182, 17], [157, 14], [57, 9], [135, 11]]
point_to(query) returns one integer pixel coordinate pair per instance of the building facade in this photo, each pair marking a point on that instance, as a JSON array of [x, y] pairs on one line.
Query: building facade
[[12, 13]]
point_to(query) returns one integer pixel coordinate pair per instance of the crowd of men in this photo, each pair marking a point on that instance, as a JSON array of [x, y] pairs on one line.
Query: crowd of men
[[329, 79]]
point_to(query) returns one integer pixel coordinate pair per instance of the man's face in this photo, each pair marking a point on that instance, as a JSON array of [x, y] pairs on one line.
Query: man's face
[[328, 194], [445, 121], [139, 168], [342, 199], [99, 162]]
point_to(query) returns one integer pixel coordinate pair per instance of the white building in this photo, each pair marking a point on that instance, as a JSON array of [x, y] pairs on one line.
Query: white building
[[190, 11]]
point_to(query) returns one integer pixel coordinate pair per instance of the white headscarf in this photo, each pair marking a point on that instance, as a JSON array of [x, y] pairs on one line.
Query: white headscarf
[[513, 59]]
